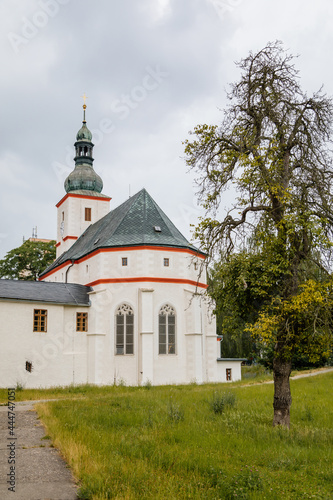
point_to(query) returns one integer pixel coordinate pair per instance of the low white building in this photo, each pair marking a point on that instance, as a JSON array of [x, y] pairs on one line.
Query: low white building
[[123, 302]]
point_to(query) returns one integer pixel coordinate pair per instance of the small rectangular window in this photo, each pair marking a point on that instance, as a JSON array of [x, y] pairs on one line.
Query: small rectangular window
[[87, 214], [195, 266], [166, 262], [63, 216], [40, 320], [28, 366], [228, 373], [81, 322], [124, 261]]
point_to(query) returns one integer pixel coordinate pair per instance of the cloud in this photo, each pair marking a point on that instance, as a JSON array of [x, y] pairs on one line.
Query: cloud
[[104, 49]]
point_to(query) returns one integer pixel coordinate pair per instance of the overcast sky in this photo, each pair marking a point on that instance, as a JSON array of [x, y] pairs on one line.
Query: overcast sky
[[152, 70]]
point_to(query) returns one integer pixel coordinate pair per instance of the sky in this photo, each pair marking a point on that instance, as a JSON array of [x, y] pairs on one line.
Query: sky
[[152, 70]]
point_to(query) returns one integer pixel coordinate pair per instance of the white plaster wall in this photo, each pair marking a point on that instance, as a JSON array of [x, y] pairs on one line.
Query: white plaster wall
[[236, 370], [196, 351], [74, 215], [146, 364], [58, 356]]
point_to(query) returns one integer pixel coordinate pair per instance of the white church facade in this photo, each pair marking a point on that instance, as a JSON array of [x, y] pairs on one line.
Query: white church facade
[[123, 303]]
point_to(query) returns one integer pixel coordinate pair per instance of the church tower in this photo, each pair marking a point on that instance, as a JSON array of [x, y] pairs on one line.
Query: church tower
[[83, 204]]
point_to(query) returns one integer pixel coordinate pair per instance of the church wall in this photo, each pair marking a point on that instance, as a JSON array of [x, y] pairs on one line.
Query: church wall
[[72, 212], [107, 265], [146, 364], [114, 285], [58, 356]]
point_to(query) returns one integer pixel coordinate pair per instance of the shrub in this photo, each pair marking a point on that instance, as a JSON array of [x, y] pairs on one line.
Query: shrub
[[221, 401]]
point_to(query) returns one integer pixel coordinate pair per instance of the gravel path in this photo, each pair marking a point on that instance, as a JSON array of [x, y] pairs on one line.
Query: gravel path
[[40, 472]]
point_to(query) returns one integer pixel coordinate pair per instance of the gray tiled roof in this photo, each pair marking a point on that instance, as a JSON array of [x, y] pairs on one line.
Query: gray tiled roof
[[131, 224], [42, 291]]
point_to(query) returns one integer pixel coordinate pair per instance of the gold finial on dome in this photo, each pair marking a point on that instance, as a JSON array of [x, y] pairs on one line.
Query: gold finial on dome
[[84, 107]]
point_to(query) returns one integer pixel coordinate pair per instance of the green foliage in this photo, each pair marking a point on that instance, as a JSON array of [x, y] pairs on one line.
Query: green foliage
[[28, 261], [241, 286]]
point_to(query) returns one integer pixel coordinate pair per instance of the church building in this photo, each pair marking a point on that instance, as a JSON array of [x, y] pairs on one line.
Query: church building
[[123, 303]]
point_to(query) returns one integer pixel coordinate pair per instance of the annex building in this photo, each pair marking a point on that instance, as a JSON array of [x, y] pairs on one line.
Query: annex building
[[123, 302]]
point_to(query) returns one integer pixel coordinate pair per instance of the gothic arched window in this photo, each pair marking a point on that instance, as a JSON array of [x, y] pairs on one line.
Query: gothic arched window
[[167, 330], [124, 330]]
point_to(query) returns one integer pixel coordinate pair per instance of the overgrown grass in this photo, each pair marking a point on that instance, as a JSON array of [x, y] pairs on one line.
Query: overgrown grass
[[250, 375], [168, 442], [255, 374]]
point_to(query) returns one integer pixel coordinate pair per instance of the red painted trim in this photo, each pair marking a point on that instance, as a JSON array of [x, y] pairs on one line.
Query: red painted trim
[[124, 249], [61, 266], [58, 244], [70, 238], [85, 197], [147, 279], [141, 247]]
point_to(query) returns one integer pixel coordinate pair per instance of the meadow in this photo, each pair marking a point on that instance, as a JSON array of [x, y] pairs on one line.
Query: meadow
[[213, 441]]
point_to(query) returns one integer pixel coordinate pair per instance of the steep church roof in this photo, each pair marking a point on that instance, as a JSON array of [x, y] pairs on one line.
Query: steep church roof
[[136, 222]]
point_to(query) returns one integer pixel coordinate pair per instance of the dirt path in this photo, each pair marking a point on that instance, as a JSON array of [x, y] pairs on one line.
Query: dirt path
[[39, 471]]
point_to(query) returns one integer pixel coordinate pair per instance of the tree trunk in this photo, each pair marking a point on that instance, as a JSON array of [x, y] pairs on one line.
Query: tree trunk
[[282, 394]]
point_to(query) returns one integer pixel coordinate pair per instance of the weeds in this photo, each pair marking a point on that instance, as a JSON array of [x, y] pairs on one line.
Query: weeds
[[175, 412], [221, 401]]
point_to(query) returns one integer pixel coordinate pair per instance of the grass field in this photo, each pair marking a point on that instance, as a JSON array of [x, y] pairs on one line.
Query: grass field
[[210, 441]]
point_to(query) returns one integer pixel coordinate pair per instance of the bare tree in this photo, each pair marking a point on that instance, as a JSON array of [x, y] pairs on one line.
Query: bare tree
[[272, 147]]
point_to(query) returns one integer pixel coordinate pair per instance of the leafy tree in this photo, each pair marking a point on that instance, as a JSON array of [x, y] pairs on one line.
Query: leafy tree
[[28, 261], [241, 287], [272, 148]]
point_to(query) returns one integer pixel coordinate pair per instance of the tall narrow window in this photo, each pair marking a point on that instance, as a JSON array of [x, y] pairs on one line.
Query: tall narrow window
[[40, 320], [167, 330], [81, 322], [87, 214], [228, 373], [124, 330], [124, 261], [166, 262], [28, 366]]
